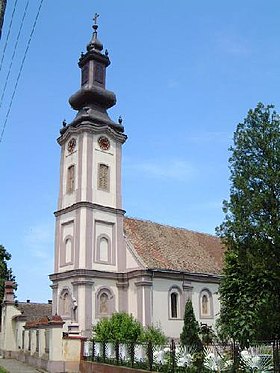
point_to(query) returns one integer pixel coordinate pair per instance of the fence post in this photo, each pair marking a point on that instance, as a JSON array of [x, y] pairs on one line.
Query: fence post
[[172, 353], [132, 353], [117, 347], [150, 355], [104, 351], [93, 351], [276, 355]]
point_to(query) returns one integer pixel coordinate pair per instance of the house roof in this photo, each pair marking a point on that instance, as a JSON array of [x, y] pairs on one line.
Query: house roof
[[34, 311], [169, 248]]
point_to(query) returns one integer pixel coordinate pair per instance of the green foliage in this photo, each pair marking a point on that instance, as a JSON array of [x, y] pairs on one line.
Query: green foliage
[[5, 272], [190, 332], [120, 327], [250, 289], [154, 335]]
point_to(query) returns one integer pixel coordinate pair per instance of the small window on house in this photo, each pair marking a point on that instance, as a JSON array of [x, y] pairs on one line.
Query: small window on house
[[47, 341], [22, 338], [29, 340], [103, 177], [71, 179], [37, 341]]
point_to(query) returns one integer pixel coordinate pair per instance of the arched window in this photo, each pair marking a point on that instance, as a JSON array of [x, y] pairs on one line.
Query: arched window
[[103, 177], [103, 249], [70, 179], [206, 304], [174, 305], [175, 302], [105, 302]]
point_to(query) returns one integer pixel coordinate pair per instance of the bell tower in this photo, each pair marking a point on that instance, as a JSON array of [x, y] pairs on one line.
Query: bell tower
[[89, 220]]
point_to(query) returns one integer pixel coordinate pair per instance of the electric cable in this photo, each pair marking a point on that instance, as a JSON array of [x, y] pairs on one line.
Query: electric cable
[[20, 70], [8, 34], [14, 53]]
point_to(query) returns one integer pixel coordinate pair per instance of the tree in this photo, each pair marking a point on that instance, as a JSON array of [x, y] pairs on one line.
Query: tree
[[6, 273], [190, 333], [154, 335], [250, 288], [121, 327]]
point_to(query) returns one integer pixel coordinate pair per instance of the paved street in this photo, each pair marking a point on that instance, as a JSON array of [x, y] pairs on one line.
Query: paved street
[[14, 366]]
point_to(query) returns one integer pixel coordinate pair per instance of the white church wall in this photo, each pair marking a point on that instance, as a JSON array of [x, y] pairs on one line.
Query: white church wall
[[132, 298], [161, 305]]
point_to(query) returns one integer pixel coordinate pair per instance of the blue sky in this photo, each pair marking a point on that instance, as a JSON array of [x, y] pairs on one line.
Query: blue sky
[[185, 72]]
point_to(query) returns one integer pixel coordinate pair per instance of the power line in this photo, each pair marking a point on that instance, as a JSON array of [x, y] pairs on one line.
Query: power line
[[14, 53], [20, 70], [8, 34]]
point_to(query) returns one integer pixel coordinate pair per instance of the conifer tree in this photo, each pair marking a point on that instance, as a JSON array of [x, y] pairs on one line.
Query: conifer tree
[[190, 333], [250, 289]]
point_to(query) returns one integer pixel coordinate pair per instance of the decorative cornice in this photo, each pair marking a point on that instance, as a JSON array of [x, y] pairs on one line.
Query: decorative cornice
[[90, 205], [144, 283], [87, 274], [88, 126]]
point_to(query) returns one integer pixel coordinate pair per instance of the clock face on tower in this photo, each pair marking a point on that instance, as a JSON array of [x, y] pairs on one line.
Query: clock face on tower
[[71, 145], [104, 143]]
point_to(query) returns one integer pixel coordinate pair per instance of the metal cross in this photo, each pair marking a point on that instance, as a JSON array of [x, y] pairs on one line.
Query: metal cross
[[95, 18]]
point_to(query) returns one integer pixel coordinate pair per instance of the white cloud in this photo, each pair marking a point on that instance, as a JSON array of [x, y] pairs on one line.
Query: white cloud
[[167, 169]]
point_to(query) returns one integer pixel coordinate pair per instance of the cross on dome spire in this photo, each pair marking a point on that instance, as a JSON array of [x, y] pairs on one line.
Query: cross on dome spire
[[95, 44], [95, 26]]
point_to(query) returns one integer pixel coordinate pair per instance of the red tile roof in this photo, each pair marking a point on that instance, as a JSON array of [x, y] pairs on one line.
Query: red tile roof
[[165, 247]]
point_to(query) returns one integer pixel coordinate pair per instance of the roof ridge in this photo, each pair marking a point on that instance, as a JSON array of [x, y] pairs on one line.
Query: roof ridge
[[171, 226]]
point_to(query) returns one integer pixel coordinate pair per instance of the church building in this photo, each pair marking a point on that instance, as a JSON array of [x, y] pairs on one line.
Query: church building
[[105, 262]]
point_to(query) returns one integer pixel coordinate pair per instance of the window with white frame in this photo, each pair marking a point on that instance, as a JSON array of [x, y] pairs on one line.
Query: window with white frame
[[175, 299]]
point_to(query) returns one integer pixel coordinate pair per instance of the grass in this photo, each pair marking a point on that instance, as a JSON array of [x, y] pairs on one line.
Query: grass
[[2, 370]]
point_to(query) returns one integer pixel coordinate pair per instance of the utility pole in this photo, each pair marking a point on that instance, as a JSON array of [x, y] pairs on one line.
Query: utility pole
[[3, 4]]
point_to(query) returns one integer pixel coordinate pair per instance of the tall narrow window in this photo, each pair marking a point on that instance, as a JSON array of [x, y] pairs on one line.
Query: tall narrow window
[[174, 305], [103, 177], [71, 179]]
